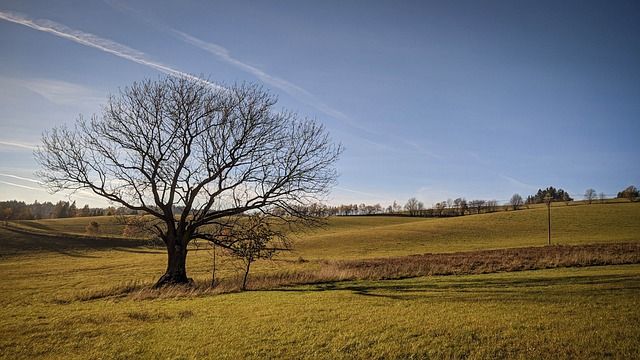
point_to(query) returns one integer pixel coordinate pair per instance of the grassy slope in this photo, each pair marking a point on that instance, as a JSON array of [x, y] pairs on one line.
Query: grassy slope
[[581, 313], [375, 237], [109, 225], [367, 237]]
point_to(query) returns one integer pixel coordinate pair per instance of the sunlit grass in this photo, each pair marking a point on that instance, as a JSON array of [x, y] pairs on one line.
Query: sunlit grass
[[375, 237], [560, 313], [109, 225], [380, 236], [80, 298]]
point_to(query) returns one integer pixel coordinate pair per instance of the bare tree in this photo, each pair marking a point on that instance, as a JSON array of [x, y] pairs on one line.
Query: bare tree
[[254, 238], [516, 201], [438, 208], [603, 197], [413, 206], [477, 205], [396, 207], [461, 206], [590, 195], [216, 152], [492, 206]]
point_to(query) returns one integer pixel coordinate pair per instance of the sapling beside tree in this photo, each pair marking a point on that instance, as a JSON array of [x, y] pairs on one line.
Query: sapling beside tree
[[254, 237]]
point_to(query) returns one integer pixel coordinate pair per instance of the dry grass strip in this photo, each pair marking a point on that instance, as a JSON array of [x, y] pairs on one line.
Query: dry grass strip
[[461, 263]]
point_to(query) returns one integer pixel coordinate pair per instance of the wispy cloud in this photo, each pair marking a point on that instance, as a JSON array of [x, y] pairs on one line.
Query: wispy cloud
[[292, 89], [18, 145], [479, 159], [20, 178], [432, 195], [517, 183], [224, 55], [363, 193], [421, 149], [21, 186], [79, 194], [57, 91], [93, 41]]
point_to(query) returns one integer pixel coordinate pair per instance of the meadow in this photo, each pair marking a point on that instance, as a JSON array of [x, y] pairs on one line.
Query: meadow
[[80, 297]]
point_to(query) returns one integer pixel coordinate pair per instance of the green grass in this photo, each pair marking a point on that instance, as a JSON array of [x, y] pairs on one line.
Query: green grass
[[58, 295], [381, 236], [559, 313], [369, 237], [109, 225]]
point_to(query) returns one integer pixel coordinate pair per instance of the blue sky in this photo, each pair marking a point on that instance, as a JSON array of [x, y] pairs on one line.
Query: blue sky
[[434, 100]]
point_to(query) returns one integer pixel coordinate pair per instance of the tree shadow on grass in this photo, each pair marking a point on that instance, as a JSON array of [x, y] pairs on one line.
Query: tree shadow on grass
[[17, 242], [536, 287], [142, 250]]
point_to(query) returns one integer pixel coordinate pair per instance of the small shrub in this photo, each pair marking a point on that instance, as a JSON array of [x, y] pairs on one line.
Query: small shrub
[[93, 228]]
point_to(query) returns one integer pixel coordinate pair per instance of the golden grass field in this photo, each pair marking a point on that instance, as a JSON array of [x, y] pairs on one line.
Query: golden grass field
[[77, 297]]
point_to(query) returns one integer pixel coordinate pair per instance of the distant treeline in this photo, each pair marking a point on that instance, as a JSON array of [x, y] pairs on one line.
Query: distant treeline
[[457, 207], [413, 207], [19, 210]]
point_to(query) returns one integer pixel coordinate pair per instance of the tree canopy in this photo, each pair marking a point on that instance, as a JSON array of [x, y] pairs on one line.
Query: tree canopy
[[216, 152], [631, 193], [555, 194]]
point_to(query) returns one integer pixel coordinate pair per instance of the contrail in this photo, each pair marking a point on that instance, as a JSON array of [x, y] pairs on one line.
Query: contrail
[[20, 178], [21, 186], [138, 57], [516, 182], [288, 87], [362, 193], [224, 55], [96, 42], [85, 194], [24, 146]]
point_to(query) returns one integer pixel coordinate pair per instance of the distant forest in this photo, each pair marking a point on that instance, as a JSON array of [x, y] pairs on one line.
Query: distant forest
[[19, 210]]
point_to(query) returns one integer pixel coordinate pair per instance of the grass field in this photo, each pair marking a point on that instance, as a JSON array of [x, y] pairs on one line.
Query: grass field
[[367, 237], [58, 300]]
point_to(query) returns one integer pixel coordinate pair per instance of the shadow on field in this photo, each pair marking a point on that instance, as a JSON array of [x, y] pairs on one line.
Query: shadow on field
[[16, 242], [543, 289]]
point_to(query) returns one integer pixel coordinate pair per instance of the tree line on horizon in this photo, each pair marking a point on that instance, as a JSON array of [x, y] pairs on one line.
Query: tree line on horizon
[[19, 210], [460, 206]]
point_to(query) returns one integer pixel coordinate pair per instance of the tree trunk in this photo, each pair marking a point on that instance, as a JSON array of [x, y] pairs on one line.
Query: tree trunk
[[176, 268], [213, 272], [246, 275]]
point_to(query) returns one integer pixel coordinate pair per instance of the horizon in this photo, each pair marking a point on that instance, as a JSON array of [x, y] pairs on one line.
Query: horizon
[[432, 100]]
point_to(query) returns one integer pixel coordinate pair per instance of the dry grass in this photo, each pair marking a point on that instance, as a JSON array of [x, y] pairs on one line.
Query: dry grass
[[462, 263], [79, 298], [491, 261], [401, 267]]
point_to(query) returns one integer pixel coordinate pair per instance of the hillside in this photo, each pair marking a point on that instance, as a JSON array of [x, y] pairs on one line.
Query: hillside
[[383, 236], [80, 297], [368, 237]]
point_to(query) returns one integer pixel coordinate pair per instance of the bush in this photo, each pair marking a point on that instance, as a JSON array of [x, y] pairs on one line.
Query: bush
[[93, 228]]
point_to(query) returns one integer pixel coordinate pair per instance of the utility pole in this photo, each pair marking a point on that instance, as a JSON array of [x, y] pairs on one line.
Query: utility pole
[[547, 200]]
